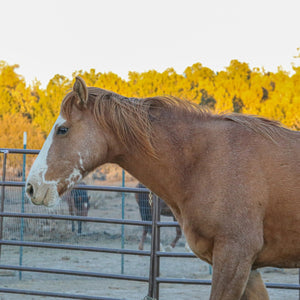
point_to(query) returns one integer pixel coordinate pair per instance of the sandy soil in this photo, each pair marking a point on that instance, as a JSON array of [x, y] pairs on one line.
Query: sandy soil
[[111, 263]]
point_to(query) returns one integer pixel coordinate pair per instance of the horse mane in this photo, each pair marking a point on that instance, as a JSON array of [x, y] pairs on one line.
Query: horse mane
[[269, 129], [125, 117], [131, 118]]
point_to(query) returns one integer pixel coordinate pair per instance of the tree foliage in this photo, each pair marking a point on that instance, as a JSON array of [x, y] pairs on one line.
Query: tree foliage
[[237, 88]]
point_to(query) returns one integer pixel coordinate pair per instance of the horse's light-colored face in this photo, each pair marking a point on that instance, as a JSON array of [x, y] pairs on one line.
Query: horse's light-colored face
[[72, 149]]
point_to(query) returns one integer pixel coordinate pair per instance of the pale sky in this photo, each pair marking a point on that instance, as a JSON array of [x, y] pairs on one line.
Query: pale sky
[[48, 37]]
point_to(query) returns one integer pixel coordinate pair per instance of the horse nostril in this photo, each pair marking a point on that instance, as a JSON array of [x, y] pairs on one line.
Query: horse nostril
[[30, 190]]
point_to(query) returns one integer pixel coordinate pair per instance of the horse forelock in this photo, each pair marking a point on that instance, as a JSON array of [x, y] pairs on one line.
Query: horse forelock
[[67, 104]]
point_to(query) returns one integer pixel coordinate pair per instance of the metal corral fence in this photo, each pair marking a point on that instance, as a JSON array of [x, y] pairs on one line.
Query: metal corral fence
[[25, 221]]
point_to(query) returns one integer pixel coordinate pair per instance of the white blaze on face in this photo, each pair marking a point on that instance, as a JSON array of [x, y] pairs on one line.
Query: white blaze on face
[[45, 191]]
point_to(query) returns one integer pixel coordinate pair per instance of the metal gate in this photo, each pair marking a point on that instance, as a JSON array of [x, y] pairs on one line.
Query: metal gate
[[154, 280]]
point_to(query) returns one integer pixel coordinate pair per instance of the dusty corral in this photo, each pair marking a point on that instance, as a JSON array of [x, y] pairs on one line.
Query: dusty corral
[[109, 263], [108, 205]]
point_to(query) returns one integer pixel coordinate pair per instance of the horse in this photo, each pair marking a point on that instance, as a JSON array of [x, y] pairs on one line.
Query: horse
[[231, 180], [78, 204], [145, 209]]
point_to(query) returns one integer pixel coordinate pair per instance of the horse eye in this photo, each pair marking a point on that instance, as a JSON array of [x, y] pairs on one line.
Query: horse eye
[[62, 130]]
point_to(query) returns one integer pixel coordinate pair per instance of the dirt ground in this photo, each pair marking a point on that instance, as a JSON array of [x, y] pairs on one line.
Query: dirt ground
[[106, 235], [111, 263]]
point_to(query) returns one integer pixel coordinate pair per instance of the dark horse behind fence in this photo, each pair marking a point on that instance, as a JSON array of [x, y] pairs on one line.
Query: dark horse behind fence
[[78, 204], [145, 209], [232, 181]]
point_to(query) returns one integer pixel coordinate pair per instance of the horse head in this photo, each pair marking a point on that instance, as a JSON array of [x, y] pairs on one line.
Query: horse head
[[74, 147]]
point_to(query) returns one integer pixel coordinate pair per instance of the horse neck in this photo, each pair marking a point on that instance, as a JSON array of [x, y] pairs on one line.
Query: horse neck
[[146, 170], [163, 175]]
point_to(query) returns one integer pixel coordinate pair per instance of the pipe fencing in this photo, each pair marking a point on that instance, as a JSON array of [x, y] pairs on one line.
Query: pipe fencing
[[154, 280]]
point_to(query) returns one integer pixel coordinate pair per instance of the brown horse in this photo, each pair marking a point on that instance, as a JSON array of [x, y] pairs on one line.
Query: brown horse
[[145, 208], [232, 181]]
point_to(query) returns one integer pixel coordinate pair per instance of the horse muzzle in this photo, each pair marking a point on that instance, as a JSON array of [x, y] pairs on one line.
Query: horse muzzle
[[42, 194]]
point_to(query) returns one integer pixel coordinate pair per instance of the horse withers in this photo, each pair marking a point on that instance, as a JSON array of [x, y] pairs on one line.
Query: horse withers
[[145, 209], [232, 181]]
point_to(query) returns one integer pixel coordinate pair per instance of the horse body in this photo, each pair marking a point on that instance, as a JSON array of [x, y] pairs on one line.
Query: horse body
[[232, 181], [250, 183]]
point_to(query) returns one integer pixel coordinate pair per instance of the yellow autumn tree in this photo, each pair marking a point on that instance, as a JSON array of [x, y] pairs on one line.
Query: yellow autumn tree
[[275, 95]]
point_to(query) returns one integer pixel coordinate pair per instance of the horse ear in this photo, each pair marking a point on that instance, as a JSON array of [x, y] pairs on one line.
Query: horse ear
[[80, 88]]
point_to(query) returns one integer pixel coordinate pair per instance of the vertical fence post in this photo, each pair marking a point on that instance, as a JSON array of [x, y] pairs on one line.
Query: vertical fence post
[[209, 269], [157, 248], [155, 241], [23, 203], [122, 228], [2, 196]]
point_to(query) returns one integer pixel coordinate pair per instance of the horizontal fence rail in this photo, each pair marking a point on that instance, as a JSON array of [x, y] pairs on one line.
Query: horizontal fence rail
[[19, 151], [74, 218], [86, 187], [53, 295], [154, 279], [75, 247], [74, 273]]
